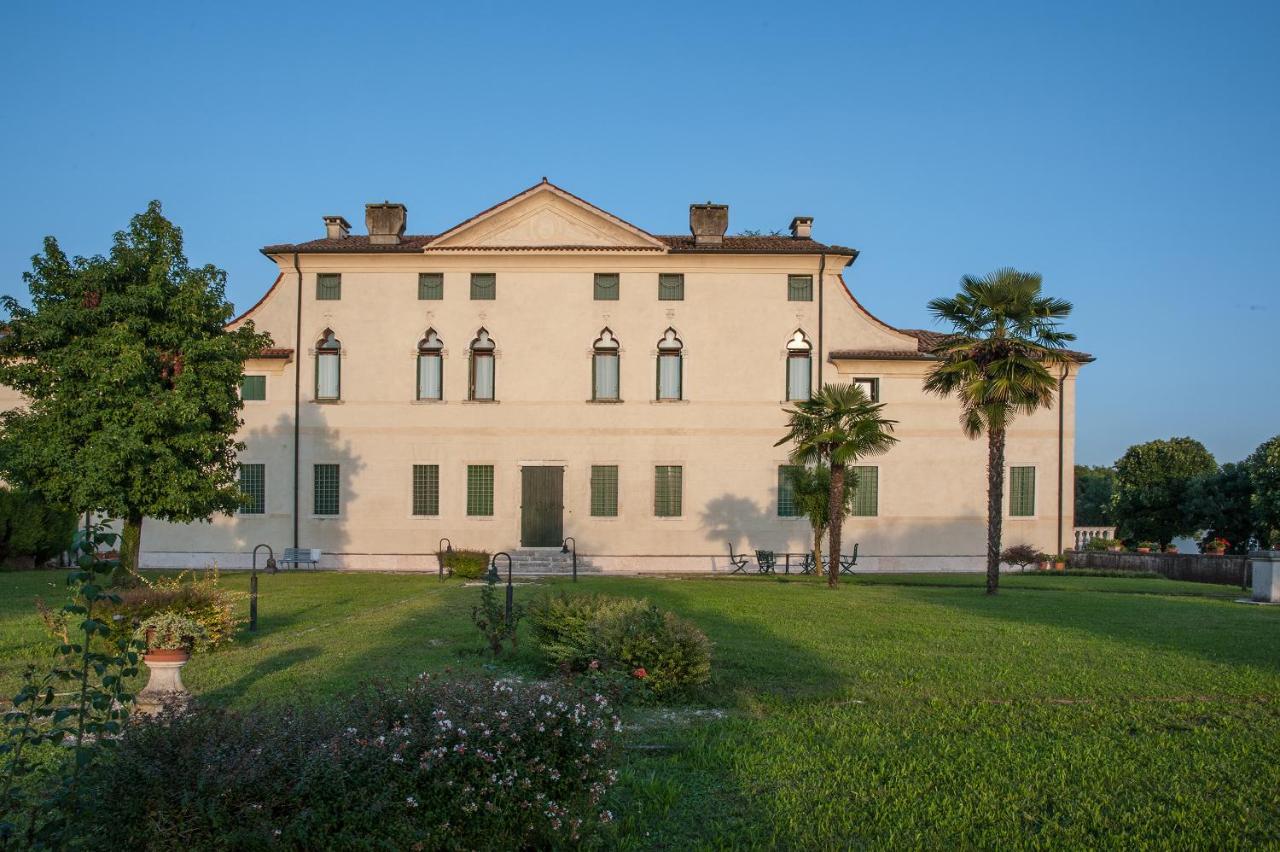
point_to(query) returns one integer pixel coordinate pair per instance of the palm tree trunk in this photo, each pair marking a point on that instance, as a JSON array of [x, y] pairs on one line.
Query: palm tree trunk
[[995, 506], [837, 522]]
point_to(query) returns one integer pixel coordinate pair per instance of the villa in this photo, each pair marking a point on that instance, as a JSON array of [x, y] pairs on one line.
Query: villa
[[546, 369]]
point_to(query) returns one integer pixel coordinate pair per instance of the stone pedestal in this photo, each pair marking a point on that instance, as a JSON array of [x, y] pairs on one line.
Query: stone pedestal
[[164, 689], [1265, 565]]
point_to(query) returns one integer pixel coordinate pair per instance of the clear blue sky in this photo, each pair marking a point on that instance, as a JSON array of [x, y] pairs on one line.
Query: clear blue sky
[[1129, 152]]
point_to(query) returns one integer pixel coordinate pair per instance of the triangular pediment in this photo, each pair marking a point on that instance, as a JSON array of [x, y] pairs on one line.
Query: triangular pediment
[[545, 217]]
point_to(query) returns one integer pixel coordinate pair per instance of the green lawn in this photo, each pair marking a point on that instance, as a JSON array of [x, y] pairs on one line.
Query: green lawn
[[896, 711]]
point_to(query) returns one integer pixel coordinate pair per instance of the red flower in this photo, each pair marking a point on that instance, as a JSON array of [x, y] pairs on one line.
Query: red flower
[[640, 673], [595, 664]]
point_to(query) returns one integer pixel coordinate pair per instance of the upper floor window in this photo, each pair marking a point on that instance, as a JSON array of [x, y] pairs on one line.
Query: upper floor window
[[670, 366], [865, 480], [1022, 492], [671, 287], [328, 286], [482, 371], [604, 367], [431, 286], [799, 288], [869, 386], [328, 366], [484, 286], [431, 366], [606, 287], [799, 371], [253, 388]]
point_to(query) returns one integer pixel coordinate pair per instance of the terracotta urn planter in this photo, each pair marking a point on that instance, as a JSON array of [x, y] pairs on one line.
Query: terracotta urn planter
[[1044, 566], [1059, 566], [1144, 550], [165, 687], [1171, 549], [1115, 548]]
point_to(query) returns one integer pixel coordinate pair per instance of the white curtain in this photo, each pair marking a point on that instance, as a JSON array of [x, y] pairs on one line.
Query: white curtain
[[429, 377], [484, 376], [669, 377], [606, 376], [327, 376], [798, 377]]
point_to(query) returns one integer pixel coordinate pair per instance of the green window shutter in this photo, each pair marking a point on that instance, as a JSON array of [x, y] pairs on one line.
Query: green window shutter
[[799, 288], [253, 483], [668, 491], [426, 489], [484, 286], [325, 489], [671, 287], [431, 286], [1022, 492], [606, 288], [253, 388], [328, 286], [480, 490], [787, 507], [604, 491], [866, 494]]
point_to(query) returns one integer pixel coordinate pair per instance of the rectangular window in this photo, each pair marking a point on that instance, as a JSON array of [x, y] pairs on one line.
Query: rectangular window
[[670, 374], [484, 286], [798, 381], [866, 491], [328, 286], [604, 491], [1022, 492], [606, 289], [325, 489], [604, 378], [328, 375], [426, 489], [253, 483], [253, 388], [480, 490], [671, 287], [871, 387], [668, 490], [430, 376], [482, 375], [787, 507], [799, 288], [431, 286]]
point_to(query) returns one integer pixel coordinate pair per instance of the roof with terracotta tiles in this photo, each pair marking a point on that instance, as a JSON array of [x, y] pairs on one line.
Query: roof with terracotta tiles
[[676, 243], [926, 341]]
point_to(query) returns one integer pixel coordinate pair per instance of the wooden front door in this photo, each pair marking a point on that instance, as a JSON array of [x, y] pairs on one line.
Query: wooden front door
[[541, 506]]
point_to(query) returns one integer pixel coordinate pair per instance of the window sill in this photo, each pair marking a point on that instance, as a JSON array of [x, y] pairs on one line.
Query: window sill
[[427, 401], [669, 401], [326, 402], [668, 518], [605, 401], [480, 401], [481, 517], [434, 517], [326, 517]]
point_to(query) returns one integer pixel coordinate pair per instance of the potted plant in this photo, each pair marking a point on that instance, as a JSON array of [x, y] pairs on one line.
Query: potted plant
[[1217, 547], [1171, 548], [169, 636], [1060, 562], [1115, 545], [1146, 546], [1045, 561]]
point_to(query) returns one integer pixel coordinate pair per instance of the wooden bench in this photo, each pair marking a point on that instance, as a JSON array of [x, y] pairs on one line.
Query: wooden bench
[[301, 556]]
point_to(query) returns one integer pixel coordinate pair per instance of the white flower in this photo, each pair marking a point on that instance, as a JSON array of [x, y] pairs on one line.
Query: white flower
[[411, 802]]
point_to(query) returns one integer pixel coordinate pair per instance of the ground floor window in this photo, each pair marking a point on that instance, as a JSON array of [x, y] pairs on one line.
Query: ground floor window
[[604, 490], [480, 490], [426, 489], [253, 482], [253, 388], [787, 507], [866, 491], [325, 489], [668, 490], [1022, 492]]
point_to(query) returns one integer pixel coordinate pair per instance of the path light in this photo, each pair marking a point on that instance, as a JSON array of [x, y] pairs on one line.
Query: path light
[[493, 578], [564, 548], [448, 548], [253, 583]]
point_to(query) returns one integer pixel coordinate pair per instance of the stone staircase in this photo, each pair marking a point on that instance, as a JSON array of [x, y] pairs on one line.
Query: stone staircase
[[539, 560]]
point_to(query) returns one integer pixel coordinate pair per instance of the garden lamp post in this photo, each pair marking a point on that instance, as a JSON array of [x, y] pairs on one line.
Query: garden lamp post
[[565, 548], [253, 583], [493, 578], [440, 551]]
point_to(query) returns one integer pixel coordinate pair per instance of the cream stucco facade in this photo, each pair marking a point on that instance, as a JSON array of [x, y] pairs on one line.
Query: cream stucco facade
[[544, 247]]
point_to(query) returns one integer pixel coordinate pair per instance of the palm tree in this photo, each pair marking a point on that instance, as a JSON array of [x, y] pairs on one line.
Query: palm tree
[[839, 424], [1005, 336], [811, 493]]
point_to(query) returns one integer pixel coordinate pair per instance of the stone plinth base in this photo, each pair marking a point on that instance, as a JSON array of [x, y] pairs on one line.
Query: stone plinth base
[[165, 688], [1265, 565]]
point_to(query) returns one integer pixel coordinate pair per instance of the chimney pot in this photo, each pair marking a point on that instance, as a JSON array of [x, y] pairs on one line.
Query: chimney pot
[[336, 228], [802, 228], [385, 222], [708, 222]]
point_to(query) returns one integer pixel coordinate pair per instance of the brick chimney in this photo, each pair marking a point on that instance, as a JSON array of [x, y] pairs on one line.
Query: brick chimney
[[802, 228], [708, 222], [336, 228], [385, 222]]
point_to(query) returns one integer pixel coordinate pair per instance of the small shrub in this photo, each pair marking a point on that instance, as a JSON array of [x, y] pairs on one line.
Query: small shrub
[[1101, 544], [169, 631], [1021, 555], [466, 564], [31, 531], [566, 626], [491, 619], [445, 764]]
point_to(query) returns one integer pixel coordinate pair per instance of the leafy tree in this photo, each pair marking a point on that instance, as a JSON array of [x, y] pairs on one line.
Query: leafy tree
[[30, 527], [1093, 495], [996, 362], [1221, 504], [130, 380], [838, 425], [811, 492], [1152, 483], [1264, 476]]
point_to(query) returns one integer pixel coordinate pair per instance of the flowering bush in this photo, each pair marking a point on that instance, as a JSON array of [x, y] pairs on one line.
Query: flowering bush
[[1217, 545], [445, 764], [169, 631]]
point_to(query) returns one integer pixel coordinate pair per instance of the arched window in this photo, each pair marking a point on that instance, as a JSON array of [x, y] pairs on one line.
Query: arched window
[[670, 366], [328, 366], [431, 366], [799, 372], [604, 367], [482, 378]]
